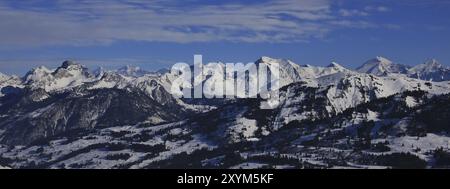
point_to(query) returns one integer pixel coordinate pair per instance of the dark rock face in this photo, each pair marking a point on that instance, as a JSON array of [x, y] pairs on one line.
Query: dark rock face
[[36, 112], [67, 63], [60, 113]]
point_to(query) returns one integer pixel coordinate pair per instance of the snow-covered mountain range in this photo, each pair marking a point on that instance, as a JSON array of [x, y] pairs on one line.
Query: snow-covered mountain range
[[431, 70], [382, 114]]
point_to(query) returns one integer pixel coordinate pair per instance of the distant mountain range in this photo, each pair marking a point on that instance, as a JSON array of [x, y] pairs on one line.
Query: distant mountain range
[[431, 70], [381, 115]]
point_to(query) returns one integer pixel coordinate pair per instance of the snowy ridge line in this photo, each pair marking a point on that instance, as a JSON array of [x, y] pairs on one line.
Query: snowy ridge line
[[71, 74]]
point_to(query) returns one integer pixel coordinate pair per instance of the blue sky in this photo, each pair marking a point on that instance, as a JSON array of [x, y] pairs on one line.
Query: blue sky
[[156, 34]]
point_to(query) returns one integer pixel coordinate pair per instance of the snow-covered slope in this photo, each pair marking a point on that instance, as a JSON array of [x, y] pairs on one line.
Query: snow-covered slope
[[378, 134], [338, 92], [431, 70], [3, 77], [9, 84], [381, 66], [2, 167], [289, 71], [69, 74]]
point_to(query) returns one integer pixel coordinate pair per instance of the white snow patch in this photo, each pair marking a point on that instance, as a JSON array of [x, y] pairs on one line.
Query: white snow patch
[[411, 102], [426, 144]]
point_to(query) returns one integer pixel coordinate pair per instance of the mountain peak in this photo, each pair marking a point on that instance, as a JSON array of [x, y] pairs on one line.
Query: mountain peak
[[334, 65], [433, 63], [429, 66], [71, 67], [430, 70], [68, 63], [40, 70], [266, 59], [163, 71], [99, 71], [381, 59], [282, 62], [130, 70], [3, 76], [381, 66]]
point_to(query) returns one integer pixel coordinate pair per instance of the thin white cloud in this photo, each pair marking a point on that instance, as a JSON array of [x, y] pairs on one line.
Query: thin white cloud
[[377, 8], [95, 22], [354, 12]]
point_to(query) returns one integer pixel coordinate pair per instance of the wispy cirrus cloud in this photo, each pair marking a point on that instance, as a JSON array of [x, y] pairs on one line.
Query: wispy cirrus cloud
[[95, 22]]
